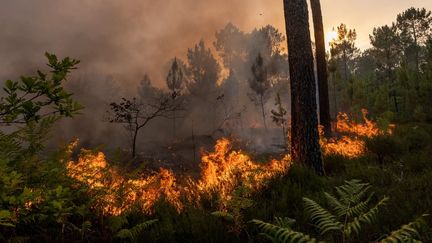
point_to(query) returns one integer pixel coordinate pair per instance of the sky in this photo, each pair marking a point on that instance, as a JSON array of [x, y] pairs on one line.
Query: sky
[[129, 38]]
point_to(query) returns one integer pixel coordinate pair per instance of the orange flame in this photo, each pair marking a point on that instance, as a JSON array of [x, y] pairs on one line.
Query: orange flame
[[352, 144], [223, 171]]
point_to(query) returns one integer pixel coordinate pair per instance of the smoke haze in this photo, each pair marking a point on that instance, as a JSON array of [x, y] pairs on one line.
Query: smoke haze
[[120, 38]]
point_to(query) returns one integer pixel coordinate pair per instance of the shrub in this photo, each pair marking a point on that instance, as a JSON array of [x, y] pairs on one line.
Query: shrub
[[384, 148]]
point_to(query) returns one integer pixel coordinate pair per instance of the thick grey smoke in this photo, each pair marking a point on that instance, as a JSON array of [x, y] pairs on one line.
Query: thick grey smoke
[[120, 38], [117, 43]]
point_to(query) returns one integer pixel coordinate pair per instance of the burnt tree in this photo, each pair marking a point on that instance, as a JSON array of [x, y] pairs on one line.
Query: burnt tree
[[136, 114], [321, 62], [304, 118]]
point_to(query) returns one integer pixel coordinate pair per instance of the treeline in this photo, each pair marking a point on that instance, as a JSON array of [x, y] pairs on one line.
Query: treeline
[[236, 89], [393, 77]]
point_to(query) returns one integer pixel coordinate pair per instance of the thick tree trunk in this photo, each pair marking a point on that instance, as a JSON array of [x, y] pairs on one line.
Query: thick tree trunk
[[323, 94], [304, 118]]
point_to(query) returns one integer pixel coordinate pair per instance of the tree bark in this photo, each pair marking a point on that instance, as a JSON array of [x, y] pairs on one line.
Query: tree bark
[[263, 112], [304, 118], [134, 140], [321, 62]]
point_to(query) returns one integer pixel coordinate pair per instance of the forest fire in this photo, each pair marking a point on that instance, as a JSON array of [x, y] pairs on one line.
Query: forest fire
[[351, 144], [222, 173]]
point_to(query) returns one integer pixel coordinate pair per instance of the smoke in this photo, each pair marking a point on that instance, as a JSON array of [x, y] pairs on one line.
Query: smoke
[[121, 38]]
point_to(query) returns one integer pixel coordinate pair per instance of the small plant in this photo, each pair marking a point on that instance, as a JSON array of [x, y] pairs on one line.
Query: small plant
[[133, 233], [233, 214], [279, 117], [384, 148], [350, 211]]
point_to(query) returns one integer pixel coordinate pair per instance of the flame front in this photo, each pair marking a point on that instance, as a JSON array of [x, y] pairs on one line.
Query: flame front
[[351, 144], [222, 173]]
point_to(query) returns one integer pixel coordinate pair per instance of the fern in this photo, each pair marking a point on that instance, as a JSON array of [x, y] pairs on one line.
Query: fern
[[350, 207], [282, 234], [284, 222], [407, 233], [352, 192], [223, 215], [366, 218], [133, 233], [350, 210], [323, 219]]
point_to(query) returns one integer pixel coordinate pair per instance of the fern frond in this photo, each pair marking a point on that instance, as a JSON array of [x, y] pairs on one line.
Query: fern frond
[[336, 205], [359, 209], [223, 215], [407, 233], [352, 192], [133, 233], [282, 235], [284, 222], [323, 219], [366, 218]]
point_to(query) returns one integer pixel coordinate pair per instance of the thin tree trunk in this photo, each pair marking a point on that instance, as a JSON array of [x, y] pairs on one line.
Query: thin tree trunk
[[263, 111], [174, 124], [304, 118], [335, 96], [193, 142], [323, 94], [134, 143]]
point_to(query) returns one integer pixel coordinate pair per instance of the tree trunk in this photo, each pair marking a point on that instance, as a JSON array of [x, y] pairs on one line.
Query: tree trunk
[[134, 143], [304, 118], [323, 94], [174, 125], [263, 112], [335, 96]]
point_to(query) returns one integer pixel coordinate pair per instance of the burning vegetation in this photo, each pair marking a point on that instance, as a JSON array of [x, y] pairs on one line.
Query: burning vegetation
[[351, 135], [223, 171]]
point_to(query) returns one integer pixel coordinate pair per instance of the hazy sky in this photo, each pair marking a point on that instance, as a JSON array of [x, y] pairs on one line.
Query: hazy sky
[[362, 15], [130, 37]]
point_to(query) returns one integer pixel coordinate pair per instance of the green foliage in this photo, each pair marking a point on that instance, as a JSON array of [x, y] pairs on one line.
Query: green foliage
[[223, 215], [350, 211], [283, 234], [384, 148], [134, 233], [39, 96], [419, 114], [234, 210], [334, 164], [407, 233]]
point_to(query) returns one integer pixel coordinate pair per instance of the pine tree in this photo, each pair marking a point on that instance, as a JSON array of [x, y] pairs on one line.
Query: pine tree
[[304, 118], [321, 62]]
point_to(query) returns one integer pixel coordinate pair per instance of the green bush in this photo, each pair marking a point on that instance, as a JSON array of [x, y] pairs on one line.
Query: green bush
[[384, 148]]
